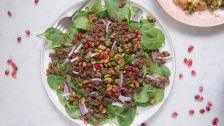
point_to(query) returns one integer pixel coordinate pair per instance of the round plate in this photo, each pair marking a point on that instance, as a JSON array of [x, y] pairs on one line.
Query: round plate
[[199, 19], [143, 113]]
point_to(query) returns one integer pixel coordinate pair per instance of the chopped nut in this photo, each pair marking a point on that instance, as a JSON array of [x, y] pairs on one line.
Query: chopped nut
[[117, 81], [85, 81], [117, 56], [82, 100], [162, 78], [84, 64], [136, 83], [98, 74], [101, 47], [120, 49], [92, 17], [93, 62], [121, 62], [108, 80], [153, 101], [109, 87], [73, 94], [132, 85], [61, 87], [111, 71]]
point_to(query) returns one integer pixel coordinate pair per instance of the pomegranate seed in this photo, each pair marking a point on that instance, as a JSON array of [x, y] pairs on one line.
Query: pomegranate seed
[[193, 73], [185, 61], [14, 66], [27, 33], [202, 111], [190, 62], [36, 1], [190, 48], [136, 31], [174, 114], [86, 45], [6, 72], [191, 112], [181, 76], [208, 108], [201, 89], [19, 39], [9, 13], [98, 66], [13, 74], [143, 124], [201, 98], [122, 4], [112, 37], [215, 121], [209, 103], [9, 61], [85, 122], [138, 38], [196, 97]]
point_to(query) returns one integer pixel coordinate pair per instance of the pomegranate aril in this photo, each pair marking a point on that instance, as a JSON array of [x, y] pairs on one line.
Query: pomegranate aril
[[181, 76], [190, 62], [143, 124], [9, 61], [190, 48], [174, 114], [202, 111], [36, 1], [193, 73], [185, 61], [9, 13], [201, 98], [215, 121], [201, 89], [209, 103], [13, 74], [208, 108], [19, 39], [27, 33], [191, 112], [196, 97], [6, 72]]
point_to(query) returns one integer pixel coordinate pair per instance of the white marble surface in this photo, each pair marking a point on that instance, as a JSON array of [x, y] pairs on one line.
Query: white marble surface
[[24, 102]]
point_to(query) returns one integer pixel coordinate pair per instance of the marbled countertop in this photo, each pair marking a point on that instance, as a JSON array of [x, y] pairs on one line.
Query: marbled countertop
[[24, 101]]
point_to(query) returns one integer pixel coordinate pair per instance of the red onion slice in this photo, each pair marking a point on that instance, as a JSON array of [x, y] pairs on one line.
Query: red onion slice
[[124, 99], [71, 52], [138, 16], [75, 72], [66, 91], [153, 77], [83, 109], [66, 60], [152, 55], [107, 24], [164, 58], [74, 59], [96, 79], [112, 48], [121, 77], [78, 48], [117, 104]]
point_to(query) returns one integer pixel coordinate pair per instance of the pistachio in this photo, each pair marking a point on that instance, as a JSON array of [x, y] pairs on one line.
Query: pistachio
[[98, 74], [101, 47], [82, 100], [121, 62], [117, 81], [111, 71], [107, 75], [109, 87], [132, 85], [153, 101], [136, 83], [93, 62], [85, 81], [120, 49], [104, 110], [73, 94], [61, 87], [108, 80], [115, 87], [92, 17], [117, 56], [107, 50], [162, 78]]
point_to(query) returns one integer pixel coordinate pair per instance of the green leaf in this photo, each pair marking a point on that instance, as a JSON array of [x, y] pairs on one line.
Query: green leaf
[[158, 94], [73, 111], [108, 43], [113, 111], [134, 11], [152, 39], [66, 69], [53, 35], [142, 96], [104, 14], [128, 58], [126, 117], [144, 69], [68, 79], [54, 81], [160, 70], [146, 25], [97, 7], [134, 25], [70, 33], [118, 13], [82, 21], [61, 97], [87, 58]]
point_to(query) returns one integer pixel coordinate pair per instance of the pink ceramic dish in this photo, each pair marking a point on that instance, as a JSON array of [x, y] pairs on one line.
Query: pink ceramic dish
[[199, 19]]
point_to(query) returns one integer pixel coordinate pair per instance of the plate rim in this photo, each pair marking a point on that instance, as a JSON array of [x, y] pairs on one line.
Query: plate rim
[[163, 28]]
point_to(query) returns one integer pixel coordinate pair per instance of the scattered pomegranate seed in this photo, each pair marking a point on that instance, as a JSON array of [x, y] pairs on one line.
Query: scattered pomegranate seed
[[14, 74], [122, 4], [9, 13], [193, 73], [196, 97], [143, 124], [174, 114], [208, 108], [191, 112], [6, 72], [19, 39], [181, 76], [27, 32], [201, 89], [209, 103], [9, 61], [86, 45], [190, 48], [190, 62], [36, 1], [202, 111], [215, 121], [185, 61], [85, 122]]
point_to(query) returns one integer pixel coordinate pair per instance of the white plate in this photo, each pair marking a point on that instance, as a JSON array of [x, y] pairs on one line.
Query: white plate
[[143, 114], [200, 19]]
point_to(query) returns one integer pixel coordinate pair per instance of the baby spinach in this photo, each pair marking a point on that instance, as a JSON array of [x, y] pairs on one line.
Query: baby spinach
[[81, 21], [70, 33], [146, 25], [126, 117], [158, 94], [152, 39], [134, 25], [73, 111], [97, 7], [61, 97], [128, 58], [116, 12], [54, 81], [142, 96], [104, 14], [161, 70]]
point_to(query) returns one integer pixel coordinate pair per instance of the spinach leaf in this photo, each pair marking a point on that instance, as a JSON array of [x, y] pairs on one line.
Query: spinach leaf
[[108, 43], [144, 69], [61, 97], [66, 69], [134, 25], [142, 96], [118, 13], [97, 6], [54, 81], [53, 35], [128, 58], [104, 14], [126, 117], [73, 111], [134, 11], [146, 25], [161, 70], [70, 35], [81, 21], [152, 39], [157, 93], [113, 111]]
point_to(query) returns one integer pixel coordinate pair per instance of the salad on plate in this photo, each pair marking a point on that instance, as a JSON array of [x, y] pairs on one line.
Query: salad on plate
[[108, 63]]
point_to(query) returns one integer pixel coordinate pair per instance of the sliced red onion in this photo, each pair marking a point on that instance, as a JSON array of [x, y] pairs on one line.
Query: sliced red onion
[[124, 99], [65, 95], [107, 24], [138, 16], [153, 77], [75, 72], [74, 59], [71, 52], [112, 48], [94, 69], [164, 58], [78, 48], [117, 104], [66, 91], [94, 54], [121, 77], [83, 109], [96, 79], [66, 60], [152, 55]]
